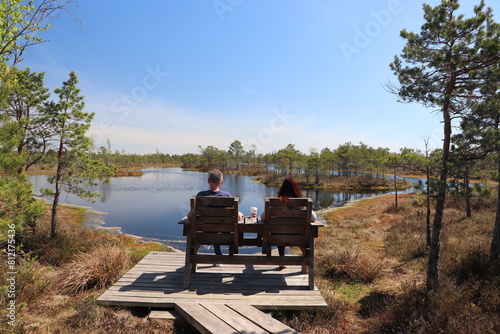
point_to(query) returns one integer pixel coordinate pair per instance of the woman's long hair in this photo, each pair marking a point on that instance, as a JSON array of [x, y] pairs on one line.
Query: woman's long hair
[[289, 189]]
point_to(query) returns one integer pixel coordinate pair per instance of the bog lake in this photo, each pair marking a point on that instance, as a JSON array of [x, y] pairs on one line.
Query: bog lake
[[150, 206]]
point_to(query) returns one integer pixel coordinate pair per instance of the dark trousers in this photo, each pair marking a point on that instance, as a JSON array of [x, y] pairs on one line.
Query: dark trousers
[[281, 250], [217, 250]]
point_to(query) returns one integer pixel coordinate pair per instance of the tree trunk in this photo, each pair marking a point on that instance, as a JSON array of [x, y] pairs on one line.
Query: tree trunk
[[434, 252], [395, 188], [53, 221], [467, 193], [495, 242], [428, 218]]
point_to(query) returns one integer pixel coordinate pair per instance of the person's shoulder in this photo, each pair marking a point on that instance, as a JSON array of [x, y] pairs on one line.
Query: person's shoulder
[[203, 193], [225, 194]]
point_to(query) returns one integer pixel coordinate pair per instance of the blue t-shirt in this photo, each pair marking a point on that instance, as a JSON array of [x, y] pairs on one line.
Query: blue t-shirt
[[214, 193]]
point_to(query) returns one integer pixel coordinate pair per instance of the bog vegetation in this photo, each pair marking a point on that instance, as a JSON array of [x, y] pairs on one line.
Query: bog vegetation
[[372, 259]]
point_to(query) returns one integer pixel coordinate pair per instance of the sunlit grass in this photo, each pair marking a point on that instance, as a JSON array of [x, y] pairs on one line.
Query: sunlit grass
[[97, 269], [370, 269]]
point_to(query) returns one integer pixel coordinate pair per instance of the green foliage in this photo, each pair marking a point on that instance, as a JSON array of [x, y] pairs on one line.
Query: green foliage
[[20, 23], [17, 30], [448, 66], [420, 200], [25, 110], [439, 59], [76, 170], [236, 151], [17, 204]]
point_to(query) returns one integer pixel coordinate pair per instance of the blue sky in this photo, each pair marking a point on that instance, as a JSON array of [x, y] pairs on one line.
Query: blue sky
[[174, 75]]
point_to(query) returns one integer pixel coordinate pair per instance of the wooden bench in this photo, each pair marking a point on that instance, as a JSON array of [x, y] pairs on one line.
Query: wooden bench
[[290, 225], [215, 222]]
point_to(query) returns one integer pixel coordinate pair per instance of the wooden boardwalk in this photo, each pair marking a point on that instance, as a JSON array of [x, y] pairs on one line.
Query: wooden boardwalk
[[156, 282]]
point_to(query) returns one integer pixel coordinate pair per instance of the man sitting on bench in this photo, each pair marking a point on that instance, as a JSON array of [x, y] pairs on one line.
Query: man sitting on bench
[[215, 181]]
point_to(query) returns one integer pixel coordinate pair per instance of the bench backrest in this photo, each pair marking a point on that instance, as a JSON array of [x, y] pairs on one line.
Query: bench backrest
[[288, 224], [214, 220]]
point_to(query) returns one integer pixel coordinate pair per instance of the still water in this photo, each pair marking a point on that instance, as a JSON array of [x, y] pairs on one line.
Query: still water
[[150, 205]]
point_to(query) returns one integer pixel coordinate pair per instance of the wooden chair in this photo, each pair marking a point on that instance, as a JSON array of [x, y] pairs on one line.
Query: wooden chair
[[290, 225], [214, 221]]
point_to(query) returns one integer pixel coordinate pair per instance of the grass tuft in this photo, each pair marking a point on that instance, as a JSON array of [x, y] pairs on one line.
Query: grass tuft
[[348, 266], [97, 269]]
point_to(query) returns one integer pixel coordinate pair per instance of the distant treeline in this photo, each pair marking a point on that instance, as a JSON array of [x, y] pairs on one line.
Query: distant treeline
[[346, 160]]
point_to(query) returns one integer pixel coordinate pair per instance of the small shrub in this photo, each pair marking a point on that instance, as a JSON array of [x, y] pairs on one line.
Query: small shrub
[[32, 279], [374, 303], [407, 239], [420, 200], [327, 321], [96, 269], [393, 209], [475, 263], [348, 266], [448, 310], [87, 314], [405, 246]]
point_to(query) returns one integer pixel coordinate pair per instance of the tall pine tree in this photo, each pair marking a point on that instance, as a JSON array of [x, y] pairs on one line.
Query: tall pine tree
[[444, 67], [75, 170]]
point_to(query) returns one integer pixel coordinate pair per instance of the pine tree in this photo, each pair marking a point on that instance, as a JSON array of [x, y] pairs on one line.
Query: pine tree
[[445, 67], [75, 170]]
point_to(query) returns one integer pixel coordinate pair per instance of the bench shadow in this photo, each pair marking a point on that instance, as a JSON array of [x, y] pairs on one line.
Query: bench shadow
[[214, 280]]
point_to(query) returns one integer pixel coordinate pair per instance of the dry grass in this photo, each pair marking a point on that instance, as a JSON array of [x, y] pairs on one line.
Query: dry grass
[[371, 265], [97, 269], [58, 280], [375, 234], [347, 265], [79, 314]]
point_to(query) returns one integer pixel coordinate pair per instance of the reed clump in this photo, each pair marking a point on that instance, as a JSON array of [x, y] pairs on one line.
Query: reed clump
[[348, 265], [97, 269]]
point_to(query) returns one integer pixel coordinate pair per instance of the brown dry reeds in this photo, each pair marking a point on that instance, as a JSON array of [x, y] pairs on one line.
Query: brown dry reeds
[[96, 269]]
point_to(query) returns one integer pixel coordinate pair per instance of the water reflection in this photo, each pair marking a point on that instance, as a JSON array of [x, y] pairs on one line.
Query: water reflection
[[151, 205]]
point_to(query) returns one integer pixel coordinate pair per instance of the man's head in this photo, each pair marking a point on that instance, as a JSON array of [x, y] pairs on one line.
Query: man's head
[[215, 179]]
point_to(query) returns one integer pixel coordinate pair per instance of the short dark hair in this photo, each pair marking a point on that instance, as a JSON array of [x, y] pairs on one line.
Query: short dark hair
[[216, 176]]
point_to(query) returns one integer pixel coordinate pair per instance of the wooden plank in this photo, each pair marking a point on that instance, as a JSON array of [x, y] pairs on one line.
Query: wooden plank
[[269, 303], [264, 320], [164, 314], [211, 200], [234, 319], [210, 295], [157, 283], [203, 320]]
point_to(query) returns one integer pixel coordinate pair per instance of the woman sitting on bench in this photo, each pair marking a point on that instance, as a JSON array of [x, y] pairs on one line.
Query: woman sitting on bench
[[289, 189]]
